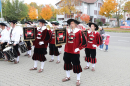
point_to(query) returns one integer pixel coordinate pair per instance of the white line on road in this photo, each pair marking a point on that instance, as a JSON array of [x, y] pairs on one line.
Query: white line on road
[[123, 41], [120, 36]]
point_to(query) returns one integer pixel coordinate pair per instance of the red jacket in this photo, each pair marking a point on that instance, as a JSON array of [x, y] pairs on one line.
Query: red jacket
[[74, 40], [93, 38], [42, 36], [107, 40]]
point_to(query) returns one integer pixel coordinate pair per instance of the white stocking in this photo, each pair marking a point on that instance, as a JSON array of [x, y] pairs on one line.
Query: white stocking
[[42, 65], [35, 63]]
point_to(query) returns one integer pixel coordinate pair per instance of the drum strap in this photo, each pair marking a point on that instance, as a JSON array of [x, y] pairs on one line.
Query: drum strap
[[11, 34]]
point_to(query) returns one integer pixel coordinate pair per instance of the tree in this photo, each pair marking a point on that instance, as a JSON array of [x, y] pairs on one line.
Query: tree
[[15, 10], [127, 7], [68, 6], [32, 13], [54, 12], [85, 18], [46, 12], [108, 8], [77, 17]]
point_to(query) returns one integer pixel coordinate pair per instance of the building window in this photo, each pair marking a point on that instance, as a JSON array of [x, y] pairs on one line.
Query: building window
[[96, 4], [94, 19], [99, 5], [60, 19], [69, 16], [95, 12]]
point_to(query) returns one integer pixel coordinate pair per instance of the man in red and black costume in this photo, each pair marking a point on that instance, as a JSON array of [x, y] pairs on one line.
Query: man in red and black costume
[[93, 41], [41, 42], [52, 48], [75, 42]]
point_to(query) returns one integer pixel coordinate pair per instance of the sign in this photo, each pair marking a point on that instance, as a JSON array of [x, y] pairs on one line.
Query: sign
[[125, 24], [60, 36], [29, 33]]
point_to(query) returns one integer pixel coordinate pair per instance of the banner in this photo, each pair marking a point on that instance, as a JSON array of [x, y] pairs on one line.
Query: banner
[[60, 36], [29, 33]]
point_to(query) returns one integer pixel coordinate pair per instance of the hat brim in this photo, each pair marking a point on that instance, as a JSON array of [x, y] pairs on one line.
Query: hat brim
[[14, 22], [42, 21], [73, 20], [94, 25], [3, 24], [27, 23], [55, 23]]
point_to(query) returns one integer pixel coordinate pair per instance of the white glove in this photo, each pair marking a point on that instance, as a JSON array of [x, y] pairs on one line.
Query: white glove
[[94, 45], [76, 50], [41, 43], [33, 46]]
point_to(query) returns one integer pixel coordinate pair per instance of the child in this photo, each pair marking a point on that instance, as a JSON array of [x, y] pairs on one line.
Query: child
[[107, 42]]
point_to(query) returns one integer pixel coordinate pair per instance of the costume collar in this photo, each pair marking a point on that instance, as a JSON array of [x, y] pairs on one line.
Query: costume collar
[[89, 31], [74, 30]]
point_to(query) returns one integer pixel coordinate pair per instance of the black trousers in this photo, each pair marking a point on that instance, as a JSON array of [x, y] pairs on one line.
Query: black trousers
[[53, 50], [70, 59], [16, 49], [3, 45], [90, 55]]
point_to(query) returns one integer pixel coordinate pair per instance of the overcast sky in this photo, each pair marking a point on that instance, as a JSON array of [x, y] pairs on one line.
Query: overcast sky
[[53, 2]]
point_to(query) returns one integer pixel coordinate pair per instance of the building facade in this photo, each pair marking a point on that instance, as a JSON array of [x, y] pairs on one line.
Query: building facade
[[90, 7]]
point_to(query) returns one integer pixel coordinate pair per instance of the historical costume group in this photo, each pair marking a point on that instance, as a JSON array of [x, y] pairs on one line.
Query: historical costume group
[[76, 40]]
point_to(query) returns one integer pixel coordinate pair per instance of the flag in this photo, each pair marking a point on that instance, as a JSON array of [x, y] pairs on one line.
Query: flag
[[0, 6]]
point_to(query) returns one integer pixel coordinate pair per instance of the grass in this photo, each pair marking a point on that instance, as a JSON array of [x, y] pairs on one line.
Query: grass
[[117, 30]]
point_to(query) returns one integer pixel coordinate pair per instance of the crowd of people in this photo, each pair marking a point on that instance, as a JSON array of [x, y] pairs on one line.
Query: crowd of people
[[76, 40]]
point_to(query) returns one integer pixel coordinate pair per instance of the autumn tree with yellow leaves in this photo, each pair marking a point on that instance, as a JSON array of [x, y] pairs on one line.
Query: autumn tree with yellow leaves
[[68, 6], [46, 12], [32, 13], [127, 7], [108, 8]]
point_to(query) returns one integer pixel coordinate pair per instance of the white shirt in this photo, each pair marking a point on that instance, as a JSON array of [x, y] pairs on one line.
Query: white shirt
[[15, 36], [4, 36]]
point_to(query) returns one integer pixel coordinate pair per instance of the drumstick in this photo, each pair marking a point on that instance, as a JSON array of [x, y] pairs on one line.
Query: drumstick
[[31, 42], [26, 44]]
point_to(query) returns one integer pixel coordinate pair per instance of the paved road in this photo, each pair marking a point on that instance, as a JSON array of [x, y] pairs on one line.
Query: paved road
[[112, 68]]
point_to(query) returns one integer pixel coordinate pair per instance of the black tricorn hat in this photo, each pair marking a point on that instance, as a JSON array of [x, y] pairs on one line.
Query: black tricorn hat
[[13, 21], [31, 22], [94, 25], [3, 24], [73, 20], [27, 22], [55, 23], [42, 21]]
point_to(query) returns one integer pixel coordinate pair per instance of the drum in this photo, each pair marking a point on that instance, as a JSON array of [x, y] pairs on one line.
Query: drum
[[10, 53], [2, 55], [23, 47]]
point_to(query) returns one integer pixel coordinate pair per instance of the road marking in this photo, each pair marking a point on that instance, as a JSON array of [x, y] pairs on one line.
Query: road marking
[[123, 41], [120, 36]]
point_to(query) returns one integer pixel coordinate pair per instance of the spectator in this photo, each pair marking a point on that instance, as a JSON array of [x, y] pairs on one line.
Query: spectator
[[101, 33], [107, 42]]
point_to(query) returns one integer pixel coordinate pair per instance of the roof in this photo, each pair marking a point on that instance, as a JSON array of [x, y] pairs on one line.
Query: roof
[[112, 19], [87, 1]]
